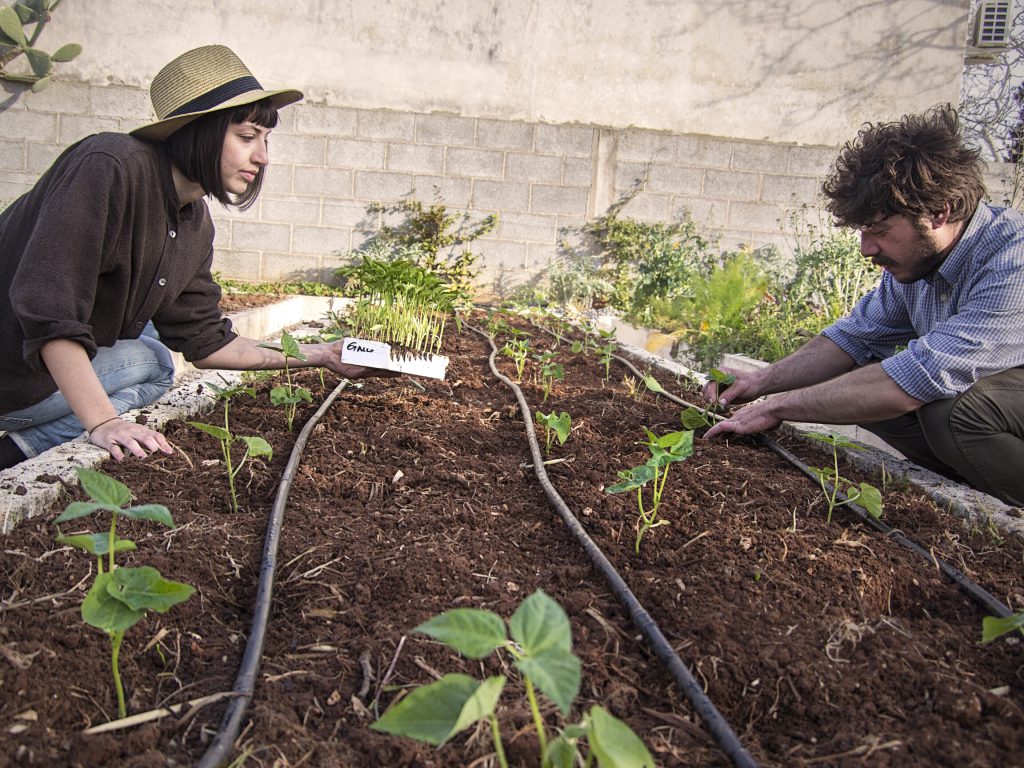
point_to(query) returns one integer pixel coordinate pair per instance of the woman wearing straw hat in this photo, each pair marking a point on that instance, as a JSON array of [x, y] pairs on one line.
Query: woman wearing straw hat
[[114, 240]]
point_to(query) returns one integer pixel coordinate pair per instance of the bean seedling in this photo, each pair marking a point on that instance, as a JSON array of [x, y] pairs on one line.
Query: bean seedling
[[865, 494], [606, 352], [517, 349], [119, 596], [541, 650], [550, 370], [559, 426], [995, 626], [665, 450], [255, 447], [287, 394]]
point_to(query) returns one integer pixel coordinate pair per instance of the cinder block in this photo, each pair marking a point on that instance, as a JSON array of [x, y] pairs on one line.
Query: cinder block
[[567, 140], [121, 102], [289, 267], [527, 227], [501, 253], [541, 169], [75, 127], [474, 163], [329, 182], [355, 154], [41, 157], [764, 157], [501, 195], [63, 97], [319, 240], [415, 158], [504, 134], [320, 120], [453, 192], [260, 236], [348, 213], [385, 187], [297, 149], [540, 256], [628, 175], [303, 210], [711, 216], [703, 151], [13, 155], [789, 190], [445, 129], [577, 171], [563, 200], [278, 180], [222, 235], [675, 179], [381, 124], [19, 124], [646, 146], [238, 265], [757, 217], [811, 161], [648, 206], [14, 185], [732, 185]]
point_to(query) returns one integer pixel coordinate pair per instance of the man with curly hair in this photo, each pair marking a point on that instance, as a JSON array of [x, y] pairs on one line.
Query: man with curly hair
[[931, 359]]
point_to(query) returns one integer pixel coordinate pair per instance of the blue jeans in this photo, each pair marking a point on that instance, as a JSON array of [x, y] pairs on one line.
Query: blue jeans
[[133, 372]]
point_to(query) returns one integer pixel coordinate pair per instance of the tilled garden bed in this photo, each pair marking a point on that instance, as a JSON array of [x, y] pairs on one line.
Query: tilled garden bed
[[820, 643]]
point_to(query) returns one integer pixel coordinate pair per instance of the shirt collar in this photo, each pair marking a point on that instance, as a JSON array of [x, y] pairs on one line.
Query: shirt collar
[[175, 211], [957, 261]]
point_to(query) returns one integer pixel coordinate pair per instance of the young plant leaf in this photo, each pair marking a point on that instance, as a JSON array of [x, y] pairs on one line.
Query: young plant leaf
[[157, 513], [995, 626], [870, 498], [145, 589], [436, 712], [614, 743], [77, 509], [102, 610], [560, 753], [556, 672], [211, 429], [103, 488], [694, 418], [634, 478], [96, 543], [472, 632], [652, 384], [539, 623], [257, 446]]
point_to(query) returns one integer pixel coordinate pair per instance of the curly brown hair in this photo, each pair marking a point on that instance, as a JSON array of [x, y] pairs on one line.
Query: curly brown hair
[[913, 167]]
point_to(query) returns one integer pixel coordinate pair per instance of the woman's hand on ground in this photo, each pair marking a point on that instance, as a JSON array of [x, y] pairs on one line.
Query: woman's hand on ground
[[121, 438]]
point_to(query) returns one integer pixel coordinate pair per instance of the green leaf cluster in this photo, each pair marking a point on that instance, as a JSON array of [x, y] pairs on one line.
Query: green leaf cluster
[[665, 450], [865, 494], [119, 597], [539, 640], [555, 426], [15, 42], [288, 395]]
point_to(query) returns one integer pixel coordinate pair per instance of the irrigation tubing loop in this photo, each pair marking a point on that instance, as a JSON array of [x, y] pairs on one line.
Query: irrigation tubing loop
[[716, 724], [974, 590], [220, 748]]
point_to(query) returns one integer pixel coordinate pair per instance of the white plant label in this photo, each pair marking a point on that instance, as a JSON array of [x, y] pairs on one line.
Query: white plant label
[[378, 354]]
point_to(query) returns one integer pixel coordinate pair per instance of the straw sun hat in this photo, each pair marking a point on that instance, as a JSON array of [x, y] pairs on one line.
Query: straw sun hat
[[201, 81]]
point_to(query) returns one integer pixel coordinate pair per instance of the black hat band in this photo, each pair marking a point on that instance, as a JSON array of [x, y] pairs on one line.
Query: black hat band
[[217, 96]]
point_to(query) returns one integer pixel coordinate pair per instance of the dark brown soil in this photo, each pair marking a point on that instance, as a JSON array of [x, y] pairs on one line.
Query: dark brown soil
[[821, 643]]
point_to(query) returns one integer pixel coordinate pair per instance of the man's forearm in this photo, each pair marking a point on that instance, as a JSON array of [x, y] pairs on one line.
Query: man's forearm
[[817, 361], [861, 396]]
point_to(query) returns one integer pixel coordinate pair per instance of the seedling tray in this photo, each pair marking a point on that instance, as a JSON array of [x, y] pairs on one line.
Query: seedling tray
[[378, 354]]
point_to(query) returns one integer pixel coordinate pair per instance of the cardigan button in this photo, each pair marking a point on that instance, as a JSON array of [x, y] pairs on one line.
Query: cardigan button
[[172, 234], [162, 282]]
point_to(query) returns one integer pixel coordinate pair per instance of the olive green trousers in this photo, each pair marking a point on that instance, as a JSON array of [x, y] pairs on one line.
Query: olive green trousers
[[975, 438]]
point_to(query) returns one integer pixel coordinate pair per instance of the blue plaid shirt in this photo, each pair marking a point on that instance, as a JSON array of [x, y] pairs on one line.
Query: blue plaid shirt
[[960, 324]]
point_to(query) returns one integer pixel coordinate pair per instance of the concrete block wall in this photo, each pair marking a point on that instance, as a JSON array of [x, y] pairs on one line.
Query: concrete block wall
[[544, 181]]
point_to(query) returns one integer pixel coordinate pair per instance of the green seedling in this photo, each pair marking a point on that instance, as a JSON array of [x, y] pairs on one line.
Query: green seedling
[[119, 597], [517, 349], [665, 450], [607, 351], [555, 426], [697, 418], [865, 494], [255, 447], [550, 370], [287, 394], [540, 648], [995, 626]]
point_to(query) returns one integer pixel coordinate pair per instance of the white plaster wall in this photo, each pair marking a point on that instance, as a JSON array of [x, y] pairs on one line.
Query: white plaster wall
[[802, 71]]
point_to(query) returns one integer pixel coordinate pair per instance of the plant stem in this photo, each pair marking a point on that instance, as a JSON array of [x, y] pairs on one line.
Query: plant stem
[[111, 539], [498, 746], [115, 642], [538, 721]]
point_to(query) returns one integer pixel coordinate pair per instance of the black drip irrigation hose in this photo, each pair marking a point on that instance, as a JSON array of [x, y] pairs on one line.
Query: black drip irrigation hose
[[713, 720], [245, 683], [974, 590]]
